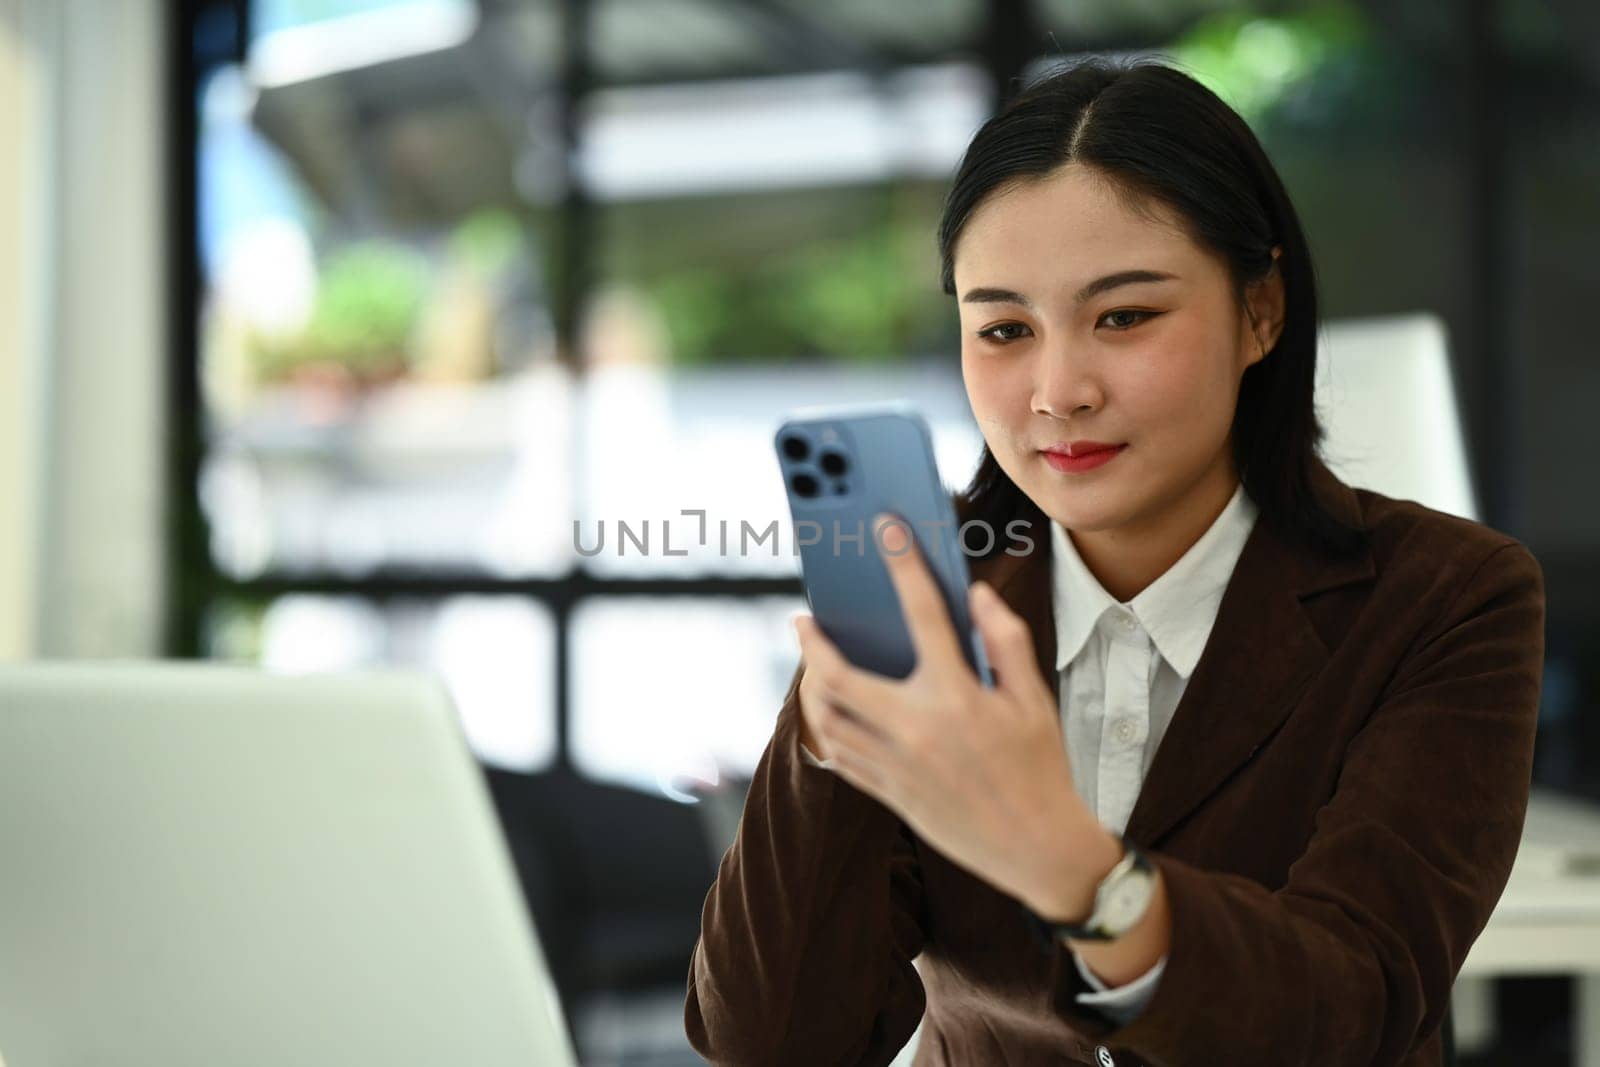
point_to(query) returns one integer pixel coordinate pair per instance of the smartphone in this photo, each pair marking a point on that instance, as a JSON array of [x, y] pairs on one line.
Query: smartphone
[[841, 466]]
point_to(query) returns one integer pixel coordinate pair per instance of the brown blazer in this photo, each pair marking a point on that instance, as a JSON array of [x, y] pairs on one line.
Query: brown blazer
[[1335, 809]]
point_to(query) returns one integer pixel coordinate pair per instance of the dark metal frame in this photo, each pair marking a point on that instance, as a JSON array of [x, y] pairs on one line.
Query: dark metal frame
[[202, 39], [194, 582]]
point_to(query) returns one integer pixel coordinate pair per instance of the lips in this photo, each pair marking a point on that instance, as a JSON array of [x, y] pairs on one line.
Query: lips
[[1076, 449], [1081, 457]]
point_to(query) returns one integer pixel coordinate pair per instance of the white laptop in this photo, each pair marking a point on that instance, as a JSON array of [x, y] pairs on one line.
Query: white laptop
[[209, 865]]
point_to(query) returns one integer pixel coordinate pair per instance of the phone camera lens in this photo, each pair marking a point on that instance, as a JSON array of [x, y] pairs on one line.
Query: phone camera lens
[[833, 463], [796, 448], [804, 485]]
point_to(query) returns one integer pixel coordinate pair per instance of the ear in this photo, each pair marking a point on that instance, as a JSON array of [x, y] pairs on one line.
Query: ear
[[1264, 304]]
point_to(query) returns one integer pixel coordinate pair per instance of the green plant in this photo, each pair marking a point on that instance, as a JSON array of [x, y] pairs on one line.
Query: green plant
[[368, 298], [864, 298]]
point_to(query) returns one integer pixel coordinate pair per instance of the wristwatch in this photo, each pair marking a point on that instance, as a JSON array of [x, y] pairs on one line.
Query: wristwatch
[[1120, 901]]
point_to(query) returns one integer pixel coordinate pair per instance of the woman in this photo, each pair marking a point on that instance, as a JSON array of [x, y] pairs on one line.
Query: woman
[[1305, 712]]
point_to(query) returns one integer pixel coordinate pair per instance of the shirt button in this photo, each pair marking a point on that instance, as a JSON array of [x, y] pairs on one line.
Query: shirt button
[[1125, 731], [1126, 623], [1102, 1055]]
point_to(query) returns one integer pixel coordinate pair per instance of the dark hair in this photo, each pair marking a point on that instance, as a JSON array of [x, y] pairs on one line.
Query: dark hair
[[1159, 135]]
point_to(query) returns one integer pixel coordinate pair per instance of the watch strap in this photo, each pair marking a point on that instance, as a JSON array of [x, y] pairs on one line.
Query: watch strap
[[1047, 933]]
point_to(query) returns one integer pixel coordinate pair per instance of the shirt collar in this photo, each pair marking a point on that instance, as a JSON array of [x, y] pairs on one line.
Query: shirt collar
[[1176, 610]]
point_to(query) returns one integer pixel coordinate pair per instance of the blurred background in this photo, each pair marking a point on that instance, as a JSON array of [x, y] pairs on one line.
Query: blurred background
[[338, 333]]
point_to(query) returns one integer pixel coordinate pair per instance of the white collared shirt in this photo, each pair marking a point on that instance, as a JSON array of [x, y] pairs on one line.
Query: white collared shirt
[[1122, 668]]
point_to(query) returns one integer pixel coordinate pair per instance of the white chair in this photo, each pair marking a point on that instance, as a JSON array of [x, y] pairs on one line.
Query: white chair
[[1387, 399]]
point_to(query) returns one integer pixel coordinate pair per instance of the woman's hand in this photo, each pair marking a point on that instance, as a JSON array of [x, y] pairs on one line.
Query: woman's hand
[[980, 774], [811, 711]]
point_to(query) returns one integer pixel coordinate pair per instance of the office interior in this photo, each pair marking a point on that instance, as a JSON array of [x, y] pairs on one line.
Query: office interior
[[334, 333]]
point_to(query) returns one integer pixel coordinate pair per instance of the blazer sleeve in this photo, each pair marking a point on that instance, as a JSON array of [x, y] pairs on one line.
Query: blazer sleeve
[[808, 933], [1352, 961]]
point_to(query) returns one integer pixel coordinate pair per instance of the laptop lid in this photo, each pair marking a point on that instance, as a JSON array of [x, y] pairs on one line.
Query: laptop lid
[[208, 865]]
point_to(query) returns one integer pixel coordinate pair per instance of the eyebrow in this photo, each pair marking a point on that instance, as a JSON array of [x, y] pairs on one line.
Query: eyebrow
[[991, 295]]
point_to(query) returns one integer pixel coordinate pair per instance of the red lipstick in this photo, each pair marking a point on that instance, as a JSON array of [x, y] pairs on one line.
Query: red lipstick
[[1075, 457]]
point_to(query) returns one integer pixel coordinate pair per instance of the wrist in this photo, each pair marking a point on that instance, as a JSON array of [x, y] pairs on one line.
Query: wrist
[[1083, 858]]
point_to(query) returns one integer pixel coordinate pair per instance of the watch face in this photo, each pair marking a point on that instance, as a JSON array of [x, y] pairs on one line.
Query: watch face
[[1126, 901]]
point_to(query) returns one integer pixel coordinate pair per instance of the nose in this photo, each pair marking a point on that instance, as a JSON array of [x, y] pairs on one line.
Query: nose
[[1063, 385]]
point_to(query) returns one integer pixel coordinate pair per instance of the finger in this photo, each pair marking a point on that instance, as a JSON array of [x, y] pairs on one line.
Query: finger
[[1008, 641], [864, 775], [921, 602], [845, 732], [866, 695]]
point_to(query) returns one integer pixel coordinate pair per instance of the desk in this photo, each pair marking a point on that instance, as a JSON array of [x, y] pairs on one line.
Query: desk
[[1547, 922]]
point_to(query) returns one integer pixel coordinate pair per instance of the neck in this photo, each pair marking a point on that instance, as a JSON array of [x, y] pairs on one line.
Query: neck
[[1125, 560]]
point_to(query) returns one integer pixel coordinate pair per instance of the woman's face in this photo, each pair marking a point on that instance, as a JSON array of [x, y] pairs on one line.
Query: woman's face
[[1062, 342]]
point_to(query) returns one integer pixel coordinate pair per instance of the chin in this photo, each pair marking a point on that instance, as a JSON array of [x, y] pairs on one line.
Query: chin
[[1086, 521], [1079, 510]]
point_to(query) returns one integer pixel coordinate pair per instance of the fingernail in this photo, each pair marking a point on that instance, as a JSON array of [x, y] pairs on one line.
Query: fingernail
[[893, 535]]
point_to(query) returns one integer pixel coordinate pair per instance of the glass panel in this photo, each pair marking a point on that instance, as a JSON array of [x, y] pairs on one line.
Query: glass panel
[[496, 655], [796, 131], [638, 41], [671, 692], [671, 443], [450, 477], [811, 278], [377, 357]]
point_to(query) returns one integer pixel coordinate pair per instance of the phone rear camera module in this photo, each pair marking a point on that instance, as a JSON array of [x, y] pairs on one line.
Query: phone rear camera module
[[796, 447], [833, 463], [804, 485]]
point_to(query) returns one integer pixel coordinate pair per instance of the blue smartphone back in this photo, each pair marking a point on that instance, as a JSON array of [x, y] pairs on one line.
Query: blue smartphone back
[[840, 469]]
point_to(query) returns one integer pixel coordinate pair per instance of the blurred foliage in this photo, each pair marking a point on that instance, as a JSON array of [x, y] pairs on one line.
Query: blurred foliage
[[487, 242], [867, 297], [1320, 70], [233, 629], [369, 295], [1250, 60], [373, 295], [367, 301]]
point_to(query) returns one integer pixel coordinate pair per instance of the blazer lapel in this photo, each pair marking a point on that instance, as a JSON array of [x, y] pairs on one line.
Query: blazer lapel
[[1262, 652]]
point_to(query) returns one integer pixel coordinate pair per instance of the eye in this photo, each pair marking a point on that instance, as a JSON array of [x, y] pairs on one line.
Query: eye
[[993, 332], [1141, 317]]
